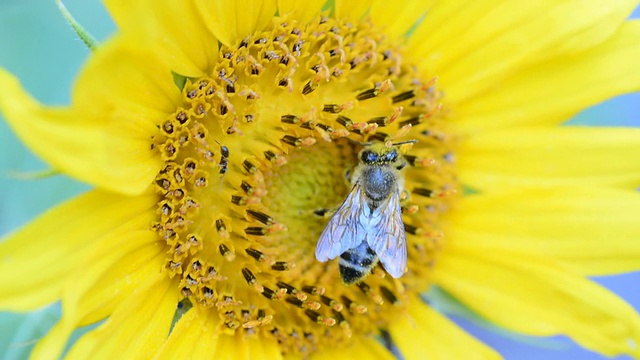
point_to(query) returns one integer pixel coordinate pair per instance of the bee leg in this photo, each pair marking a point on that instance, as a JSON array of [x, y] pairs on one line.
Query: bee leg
[[324, 213]]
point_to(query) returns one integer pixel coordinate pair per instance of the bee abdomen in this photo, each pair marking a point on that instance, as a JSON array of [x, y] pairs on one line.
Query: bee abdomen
[[357, 263]]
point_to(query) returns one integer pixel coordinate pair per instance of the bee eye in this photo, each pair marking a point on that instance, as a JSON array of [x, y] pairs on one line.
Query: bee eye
[[391, 156], [369, 156]]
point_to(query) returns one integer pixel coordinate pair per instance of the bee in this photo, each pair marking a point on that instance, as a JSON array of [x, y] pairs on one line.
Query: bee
[[368, 225], [224, 159]]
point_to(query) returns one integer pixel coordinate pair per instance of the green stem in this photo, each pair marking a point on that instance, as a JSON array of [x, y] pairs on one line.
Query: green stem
[[86, 37]]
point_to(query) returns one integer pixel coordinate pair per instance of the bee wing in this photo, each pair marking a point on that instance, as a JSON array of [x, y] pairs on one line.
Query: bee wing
[[344, 231], [387, 236]]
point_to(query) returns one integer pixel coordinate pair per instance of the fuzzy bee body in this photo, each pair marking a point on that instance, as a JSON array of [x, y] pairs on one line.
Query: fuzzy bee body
[[357, 263], [368, 226]]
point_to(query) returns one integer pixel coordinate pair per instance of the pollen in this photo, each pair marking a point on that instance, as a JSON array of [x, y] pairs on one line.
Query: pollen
[[259, 155]]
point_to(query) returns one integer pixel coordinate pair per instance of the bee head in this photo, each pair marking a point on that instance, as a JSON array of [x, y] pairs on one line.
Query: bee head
[[378, 154]]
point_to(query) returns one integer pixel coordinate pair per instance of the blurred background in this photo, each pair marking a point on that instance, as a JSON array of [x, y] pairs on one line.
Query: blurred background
[[38, 46]]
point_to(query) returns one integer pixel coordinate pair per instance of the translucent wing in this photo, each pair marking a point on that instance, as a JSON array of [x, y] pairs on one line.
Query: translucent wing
[[386, 235], [345, 229]]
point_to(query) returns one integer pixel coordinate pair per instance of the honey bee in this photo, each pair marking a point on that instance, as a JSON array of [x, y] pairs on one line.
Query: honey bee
[[368, 225]]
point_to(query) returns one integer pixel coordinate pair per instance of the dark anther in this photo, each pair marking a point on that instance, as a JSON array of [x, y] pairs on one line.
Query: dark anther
[[167, 127], [364, 287], [291, 140], [223, 109], [344, 121], [403, 96], [380, 136], [411, 159], [196, 265], [164, 184], [207, 292], [313, 290], [283, 285], [224, 250], [238, 200], [331, 108], [339, 317], [262, 217], [411, 121], [388, 294], [249, 167], [256, 254], [255, 230], [308, 125], [166, 209], [368, 94], [380, 120], [270, 155], [268, 293], [297, 47], [248, 276], [313, 315], [324, 127], [182, 117], [410, 229], [248, 189], [422, 192], [308, 88], [290, 119], [294, 301], [280, 266]]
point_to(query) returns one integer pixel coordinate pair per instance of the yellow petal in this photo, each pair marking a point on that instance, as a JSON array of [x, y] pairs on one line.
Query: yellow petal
[[137, 329], [553, 91], [175, 27], [425, 334], [361, 348], [483, 42], [396, 18], [502, 160], [194, 336], [532, 295], [352, 10], [232, 20], [49, 249], [65, 138], [128, 90], [105, 282], [247, 348], [303, 12], [594, 230]]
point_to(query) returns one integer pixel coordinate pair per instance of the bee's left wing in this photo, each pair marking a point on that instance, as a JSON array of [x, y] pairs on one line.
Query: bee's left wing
[[345, 230], [386, 235]]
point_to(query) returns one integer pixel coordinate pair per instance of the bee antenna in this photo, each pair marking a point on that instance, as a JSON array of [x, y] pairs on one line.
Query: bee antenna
[[359, 142], [405, 142]]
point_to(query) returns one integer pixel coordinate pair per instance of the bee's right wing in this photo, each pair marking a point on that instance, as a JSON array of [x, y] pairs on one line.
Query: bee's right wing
[[345, 230], [387, 236]]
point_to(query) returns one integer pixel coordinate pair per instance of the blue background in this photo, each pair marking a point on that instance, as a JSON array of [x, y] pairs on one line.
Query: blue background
[[39, 47]]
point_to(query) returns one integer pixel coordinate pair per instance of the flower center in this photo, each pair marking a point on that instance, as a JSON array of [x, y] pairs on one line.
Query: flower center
[[258, 157]]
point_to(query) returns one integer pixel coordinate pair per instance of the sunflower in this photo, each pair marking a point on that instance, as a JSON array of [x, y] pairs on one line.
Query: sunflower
[[220, 138]]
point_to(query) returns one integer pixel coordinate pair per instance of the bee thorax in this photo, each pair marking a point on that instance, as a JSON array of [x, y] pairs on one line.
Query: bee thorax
[[378, 182]]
